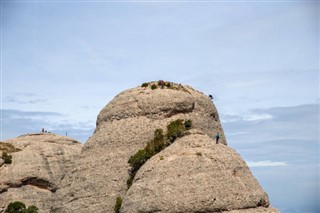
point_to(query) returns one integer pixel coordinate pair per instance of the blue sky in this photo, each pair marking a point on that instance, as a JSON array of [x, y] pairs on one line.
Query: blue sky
[[62, 61]]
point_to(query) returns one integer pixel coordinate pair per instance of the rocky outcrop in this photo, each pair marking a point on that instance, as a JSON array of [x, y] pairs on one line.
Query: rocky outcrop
[[125, 125], [39, 163], [194, 174]]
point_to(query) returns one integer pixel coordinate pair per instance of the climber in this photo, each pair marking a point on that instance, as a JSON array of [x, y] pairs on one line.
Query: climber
[[217, 137], [42, 130]]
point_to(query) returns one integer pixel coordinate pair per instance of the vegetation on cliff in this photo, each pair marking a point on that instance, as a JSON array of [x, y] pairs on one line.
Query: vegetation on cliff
[[19, 207], [118, 204], [164, 84], [6, 148], [160, 141]]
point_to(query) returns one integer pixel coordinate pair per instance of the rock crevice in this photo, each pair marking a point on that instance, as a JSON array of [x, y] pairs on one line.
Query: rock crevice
[[32, 181]]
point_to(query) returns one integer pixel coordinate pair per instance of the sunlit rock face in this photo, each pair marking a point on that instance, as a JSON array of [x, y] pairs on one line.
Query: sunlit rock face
[[39, 163]]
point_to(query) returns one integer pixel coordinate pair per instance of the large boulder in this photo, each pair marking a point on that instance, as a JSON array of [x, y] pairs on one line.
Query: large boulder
[[39, 163], [124, 126], [192, 175]]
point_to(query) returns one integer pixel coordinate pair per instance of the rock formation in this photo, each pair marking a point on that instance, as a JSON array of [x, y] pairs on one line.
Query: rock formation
[[39, 163], [192, 175]]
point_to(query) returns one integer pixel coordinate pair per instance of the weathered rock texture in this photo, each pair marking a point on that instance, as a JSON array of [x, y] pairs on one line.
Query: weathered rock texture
[[125, 125], [38, 166], [194, 175]]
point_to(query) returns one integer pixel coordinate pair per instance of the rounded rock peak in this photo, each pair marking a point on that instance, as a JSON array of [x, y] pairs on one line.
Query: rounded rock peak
[[199, 175], [156, 100]]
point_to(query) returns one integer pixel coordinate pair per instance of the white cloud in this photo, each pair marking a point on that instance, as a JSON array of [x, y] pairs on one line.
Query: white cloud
[[227, 118], [266, 163], [257, 117]]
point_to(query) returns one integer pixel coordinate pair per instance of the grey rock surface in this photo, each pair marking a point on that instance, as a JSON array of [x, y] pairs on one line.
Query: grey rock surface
[[192, 175], [37, 170]]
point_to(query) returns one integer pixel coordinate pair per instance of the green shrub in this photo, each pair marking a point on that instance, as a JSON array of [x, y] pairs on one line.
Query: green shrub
[[7, 158], [153, 87], [15, 207], [19, 207], [138, 159], [175, 130], [130, 180], [199, 153], [188, 124], [161, 158], [118, 204], [157, 144], [145, 85]]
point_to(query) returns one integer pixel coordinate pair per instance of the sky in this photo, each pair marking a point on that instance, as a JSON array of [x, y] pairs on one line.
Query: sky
[[63, 61]]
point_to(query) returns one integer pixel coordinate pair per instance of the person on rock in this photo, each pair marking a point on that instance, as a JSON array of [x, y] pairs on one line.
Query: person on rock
[[217, 137]]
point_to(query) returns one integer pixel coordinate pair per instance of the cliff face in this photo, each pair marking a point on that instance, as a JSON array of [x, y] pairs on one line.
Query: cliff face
[[214, 180], [39, 163]]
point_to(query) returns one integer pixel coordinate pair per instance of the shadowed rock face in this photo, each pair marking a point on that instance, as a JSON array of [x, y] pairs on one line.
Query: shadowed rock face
[[38, 166]]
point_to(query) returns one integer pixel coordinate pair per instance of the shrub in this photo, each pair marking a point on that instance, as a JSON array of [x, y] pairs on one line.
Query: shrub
[[175, 130], [145, 85], [188, 124], [7, 158], [17, 207], [138, 159], [130, 180], [118, 204], [168, 85], [157, 144], [153, 87]]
